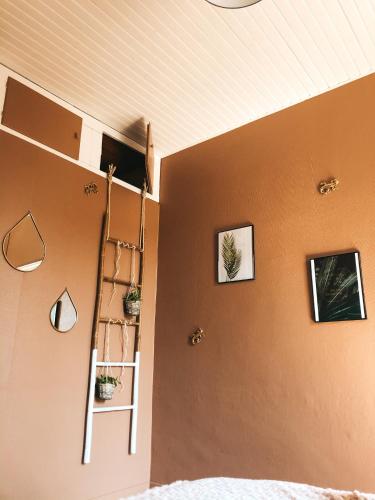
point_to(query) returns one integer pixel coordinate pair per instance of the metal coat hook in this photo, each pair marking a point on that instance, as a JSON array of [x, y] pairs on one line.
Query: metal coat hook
[[90, 188], [328, 186], [197, 336]]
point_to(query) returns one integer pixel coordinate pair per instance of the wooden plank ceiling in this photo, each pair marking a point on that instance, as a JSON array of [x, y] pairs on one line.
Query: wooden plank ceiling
[[192, 69]]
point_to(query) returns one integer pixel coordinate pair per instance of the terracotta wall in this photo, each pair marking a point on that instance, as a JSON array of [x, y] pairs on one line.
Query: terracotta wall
[[269, 393], [35, 116], [44, 374]]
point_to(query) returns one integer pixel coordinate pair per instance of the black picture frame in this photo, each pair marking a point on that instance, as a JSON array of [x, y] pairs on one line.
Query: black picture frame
[[337, 287], [246, 248]]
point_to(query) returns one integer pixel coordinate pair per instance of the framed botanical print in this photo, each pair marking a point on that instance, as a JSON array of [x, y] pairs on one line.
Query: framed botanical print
[[336, 282], [235, 259]]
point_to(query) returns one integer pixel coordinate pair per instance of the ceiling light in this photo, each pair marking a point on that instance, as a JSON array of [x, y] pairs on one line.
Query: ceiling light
[[233, 4]]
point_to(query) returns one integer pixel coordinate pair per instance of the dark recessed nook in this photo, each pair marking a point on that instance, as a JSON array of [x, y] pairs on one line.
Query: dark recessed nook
[[130, 163]]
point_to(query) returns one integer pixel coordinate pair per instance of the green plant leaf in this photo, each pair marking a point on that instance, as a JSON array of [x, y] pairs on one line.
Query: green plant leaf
[[231, 256], [107, 379], [337, 288], [133, 295]]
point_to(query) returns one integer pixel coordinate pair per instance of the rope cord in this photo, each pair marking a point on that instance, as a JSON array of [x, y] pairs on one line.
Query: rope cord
[[132, 268], [106, 349], [124, 349], [116, 271], [132, 285]]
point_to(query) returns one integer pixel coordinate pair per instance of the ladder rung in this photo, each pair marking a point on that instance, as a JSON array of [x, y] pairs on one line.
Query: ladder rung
[[112, 408], [110, 363], [108, 279], [125, 244], [114, 321]]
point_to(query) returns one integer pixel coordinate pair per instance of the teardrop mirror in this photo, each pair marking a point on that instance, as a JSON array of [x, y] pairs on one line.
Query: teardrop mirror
[[23, 246], [63, 314]]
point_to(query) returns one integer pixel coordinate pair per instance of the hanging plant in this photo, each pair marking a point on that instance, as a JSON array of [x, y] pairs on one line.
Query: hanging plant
[[132, 302], [105, 386]]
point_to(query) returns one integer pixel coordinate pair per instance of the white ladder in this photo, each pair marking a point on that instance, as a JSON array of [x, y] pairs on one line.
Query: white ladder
[[91, 409]]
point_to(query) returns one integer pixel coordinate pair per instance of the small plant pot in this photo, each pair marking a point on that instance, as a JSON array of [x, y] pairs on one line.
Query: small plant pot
[[132, 307], [104, 391]]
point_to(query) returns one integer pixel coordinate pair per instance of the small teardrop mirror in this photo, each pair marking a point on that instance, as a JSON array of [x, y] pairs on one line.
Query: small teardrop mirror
[[23, 246], [63, 314]]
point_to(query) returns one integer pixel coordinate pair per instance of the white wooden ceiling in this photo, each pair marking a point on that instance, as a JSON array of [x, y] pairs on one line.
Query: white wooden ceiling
[[192, 69]]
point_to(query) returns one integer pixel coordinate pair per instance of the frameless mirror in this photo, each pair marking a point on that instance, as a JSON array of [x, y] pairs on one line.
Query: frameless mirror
[[23, 246], [63, 314]]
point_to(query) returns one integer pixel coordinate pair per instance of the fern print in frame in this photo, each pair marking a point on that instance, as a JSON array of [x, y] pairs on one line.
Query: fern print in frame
[[235, 254], [337, 290]]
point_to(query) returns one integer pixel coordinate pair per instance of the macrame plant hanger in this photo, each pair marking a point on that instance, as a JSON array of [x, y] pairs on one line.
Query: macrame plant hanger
[[124, 327], [107, 368], [124, 324]]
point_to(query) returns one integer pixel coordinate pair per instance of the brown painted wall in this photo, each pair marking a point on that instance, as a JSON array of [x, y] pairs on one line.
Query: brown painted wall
[[44, 374], [269, 393], [37, 117]]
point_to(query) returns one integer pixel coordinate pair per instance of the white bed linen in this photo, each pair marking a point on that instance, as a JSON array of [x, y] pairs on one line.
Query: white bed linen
[[223, 488]]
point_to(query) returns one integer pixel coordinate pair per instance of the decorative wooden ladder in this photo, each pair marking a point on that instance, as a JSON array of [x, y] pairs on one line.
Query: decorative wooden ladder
[[135, 365]]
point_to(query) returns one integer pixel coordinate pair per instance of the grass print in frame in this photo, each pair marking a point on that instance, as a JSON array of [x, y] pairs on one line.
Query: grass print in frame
[[235, 254], [337, 288]]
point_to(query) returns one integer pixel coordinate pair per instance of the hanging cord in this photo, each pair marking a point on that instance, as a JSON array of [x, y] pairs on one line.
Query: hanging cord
[[106, 369], [132, 267], [124, 349], [116, 271], [132, 285]]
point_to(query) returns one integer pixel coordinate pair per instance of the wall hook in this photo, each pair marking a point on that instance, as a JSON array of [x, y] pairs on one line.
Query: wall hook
[[197, 336], [328, 186], [90, 188]]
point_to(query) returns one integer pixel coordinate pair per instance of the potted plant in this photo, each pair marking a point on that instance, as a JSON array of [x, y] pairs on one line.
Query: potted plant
[[132, 302], [105, 385]]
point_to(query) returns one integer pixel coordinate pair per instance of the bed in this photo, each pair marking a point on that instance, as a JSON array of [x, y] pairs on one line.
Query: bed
[[224, 488]]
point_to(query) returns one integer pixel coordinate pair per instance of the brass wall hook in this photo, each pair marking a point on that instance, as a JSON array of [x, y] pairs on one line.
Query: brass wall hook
[[90, 188], [328, 186], [197, 336]]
